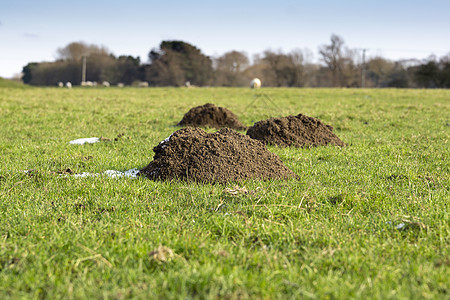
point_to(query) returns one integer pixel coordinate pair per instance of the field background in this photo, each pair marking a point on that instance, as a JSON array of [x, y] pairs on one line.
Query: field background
[[370, 220]]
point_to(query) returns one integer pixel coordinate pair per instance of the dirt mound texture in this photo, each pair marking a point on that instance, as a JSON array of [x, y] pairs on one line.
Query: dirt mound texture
[[296, 131], [192, 154], [209, 115]]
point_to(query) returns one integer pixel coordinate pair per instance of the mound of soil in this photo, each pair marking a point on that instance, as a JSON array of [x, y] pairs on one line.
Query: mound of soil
[[296, 131], [192, 154], [209, 115]]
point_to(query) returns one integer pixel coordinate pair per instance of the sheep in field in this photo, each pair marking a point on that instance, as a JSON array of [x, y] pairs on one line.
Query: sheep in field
[[68, 84], [255, 83]]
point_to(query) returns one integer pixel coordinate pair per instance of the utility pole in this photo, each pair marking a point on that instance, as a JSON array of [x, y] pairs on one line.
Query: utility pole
[[83, 71], [363, 71]]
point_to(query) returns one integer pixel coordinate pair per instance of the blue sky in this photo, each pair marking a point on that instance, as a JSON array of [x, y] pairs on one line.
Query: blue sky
[[32, 30]]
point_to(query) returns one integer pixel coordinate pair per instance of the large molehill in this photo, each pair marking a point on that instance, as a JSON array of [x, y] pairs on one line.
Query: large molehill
[[192, 154], [295, 131], [210, 115]]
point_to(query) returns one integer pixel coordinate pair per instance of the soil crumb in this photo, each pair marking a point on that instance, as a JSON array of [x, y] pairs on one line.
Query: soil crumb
[[210, 115], [191, 154], [295, 131]]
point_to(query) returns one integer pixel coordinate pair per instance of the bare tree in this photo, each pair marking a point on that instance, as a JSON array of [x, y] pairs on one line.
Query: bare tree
[[332, 56], [340, 62], [76, 50], [284, 69], [377, 71], [233, 61], [229, 69]]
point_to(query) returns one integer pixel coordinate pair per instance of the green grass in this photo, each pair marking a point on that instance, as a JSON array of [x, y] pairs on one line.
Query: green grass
[[6, 83], [330, 235]]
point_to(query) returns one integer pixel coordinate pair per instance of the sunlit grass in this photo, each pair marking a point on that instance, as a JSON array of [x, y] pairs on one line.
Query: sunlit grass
[[369, 220]]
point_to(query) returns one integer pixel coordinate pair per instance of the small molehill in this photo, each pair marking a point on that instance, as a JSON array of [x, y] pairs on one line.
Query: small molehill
[[295, 131], [209, 115], [192, 154]]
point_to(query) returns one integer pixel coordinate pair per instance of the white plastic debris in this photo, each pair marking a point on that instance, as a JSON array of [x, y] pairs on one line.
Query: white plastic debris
[[400, 226], [86, 174], [166, 140], [85, 140], [132, 173]]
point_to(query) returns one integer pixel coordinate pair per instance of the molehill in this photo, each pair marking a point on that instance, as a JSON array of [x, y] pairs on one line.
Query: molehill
[[192, 154], [296, 131], [210, 115]]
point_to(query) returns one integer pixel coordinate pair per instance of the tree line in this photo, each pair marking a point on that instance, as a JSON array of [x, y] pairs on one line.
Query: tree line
[[177, 63]]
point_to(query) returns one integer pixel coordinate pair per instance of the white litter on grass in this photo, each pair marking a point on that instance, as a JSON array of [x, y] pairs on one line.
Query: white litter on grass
[[85, 174], [85, 140], [400, 226], [166, 140], [132, 173]]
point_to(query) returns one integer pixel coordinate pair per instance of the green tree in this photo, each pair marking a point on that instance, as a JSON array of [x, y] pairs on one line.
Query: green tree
[[428, 75], [100, 66], [433, 73], [176, 62], [128, 69], [445, 70], [50, 73], [27, 72]]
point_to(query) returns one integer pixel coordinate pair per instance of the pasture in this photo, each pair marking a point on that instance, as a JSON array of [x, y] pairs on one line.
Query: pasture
[[370, 220]]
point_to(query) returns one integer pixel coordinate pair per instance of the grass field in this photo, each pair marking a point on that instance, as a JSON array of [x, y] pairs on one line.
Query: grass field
[[370, 220]]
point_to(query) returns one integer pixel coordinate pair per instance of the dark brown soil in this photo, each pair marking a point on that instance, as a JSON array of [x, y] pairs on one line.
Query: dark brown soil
[[192, 154], [296, 131], [209, 115]]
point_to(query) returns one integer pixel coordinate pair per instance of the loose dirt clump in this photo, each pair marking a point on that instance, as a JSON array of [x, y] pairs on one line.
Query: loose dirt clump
[[192, 154], [209, 115], [296, 131]]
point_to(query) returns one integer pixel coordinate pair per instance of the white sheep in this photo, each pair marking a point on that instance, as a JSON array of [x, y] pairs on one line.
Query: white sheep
[[68, 84], [143, 84], [255, 83], [105, 84], [60, 84]]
